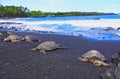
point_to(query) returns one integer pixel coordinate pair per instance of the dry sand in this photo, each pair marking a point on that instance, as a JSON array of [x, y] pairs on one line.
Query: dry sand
[[17, 61]]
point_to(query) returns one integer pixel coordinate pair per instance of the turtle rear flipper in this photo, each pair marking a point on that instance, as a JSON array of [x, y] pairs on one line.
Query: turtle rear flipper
[[65, 48], [58, 46], [100, 63], [30, 41], [104, 64]]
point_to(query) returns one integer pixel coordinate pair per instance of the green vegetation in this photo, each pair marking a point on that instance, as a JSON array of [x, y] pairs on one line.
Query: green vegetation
[[72, 13], [19, 11], [35, 13], [13, 11]]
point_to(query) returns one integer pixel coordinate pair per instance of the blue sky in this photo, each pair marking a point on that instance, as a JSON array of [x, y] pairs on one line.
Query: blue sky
[[67, 5]]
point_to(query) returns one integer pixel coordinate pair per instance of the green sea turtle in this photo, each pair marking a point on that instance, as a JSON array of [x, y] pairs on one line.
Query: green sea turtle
[[12, 38], [4, 34], [47, 46], [9, 33], [30, 38], [94, 57], [1, 34]]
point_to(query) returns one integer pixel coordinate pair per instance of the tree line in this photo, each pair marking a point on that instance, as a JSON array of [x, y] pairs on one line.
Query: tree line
[[20, 11]]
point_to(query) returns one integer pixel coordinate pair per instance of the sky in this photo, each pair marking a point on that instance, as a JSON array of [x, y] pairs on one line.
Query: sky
[[106, 6]]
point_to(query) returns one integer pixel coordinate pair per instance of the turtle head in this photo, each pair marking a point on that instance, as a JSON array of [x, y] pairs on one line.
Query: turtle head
[[23, 39], [6, 40]]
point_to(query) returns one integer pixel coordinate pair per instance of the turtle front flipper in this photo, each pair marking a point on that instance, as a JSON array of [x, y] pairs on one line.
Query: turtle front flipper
[[43, 51], [29, 40], [97, 63], [15, 40], [83, 59]]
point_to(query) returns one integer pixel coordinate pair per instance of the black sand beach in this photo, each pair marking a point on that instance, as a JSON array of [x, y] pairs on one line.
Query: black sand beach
[[17, 61]]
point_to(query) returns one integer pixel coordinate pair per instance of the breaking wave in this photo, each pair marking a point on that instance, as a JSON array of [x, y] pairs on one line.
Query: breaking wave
[[96, 27]]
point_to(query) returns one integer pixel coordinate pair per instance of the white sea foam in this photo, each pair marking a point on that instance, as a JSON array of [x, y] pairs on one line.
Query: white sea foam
[[115, 23], [75, 27]]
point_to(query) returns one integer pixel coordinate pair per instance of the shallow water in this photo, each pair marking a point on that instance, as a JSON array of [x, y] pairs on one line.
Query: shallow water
[[102, 27]]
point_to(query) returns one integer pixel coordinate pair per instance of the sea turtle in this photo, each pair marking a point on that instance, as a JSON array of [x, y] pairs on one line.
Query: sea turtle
[[5, 33], [9, 33], [47, 46], [12, 38], [30, 38], [94, 57], [1, 34]]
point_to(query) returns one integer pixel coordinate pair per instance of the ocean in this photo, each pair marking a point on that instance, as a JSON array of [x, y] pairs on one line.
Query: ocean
[[98, 27]]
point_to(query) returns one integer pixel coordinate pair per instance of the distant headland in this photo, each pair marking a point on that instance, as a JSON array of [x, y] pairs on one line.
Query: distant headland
[[20, 11]]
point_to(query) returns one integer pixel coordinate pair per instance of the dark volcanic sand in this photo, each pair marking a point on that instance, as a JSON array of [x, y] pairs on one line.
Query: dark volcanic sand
[[18, 62]]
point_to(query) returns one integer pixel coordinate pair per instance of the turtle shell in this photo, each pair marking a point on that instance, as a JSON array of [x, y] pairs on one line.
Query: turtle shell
[[94, 54], [30, 38], [48, 45], [12, 38]]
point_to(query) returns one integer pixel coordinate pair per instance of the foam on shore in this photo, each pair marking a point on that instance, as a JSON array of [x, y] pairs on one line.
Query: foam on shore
[[86, 23], [71, 27]]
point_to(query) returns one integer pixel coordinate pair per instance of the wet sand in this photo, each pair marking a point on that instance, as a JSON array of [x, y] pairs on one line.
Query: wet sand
[[17, 61]]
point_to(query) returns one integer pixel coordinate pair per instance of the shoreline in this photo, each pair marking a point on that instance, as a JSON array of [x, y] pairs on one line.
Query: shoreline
[[18, 62], [103, 29]]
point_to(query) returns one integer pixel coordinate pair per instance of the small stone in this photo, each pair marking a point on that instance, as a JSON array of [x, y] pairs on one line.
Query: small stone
[[67, 66], [7, 63], [2, 72], [46, 78], [16, 65], [48, 66]]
